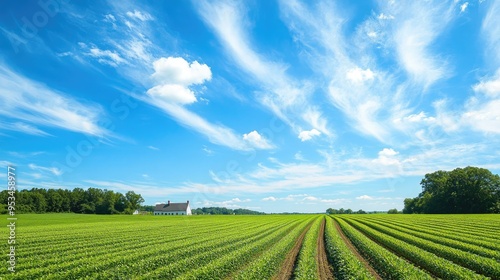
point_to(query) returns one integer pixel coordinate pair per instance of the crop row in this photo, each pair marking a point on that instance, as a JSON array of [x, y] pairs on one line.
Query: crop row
[[268, 264], [147, 256], [439, 267], [345, 264], [440, 239], [491, 243], [483, 265], [307, 266], [455, 229], [387, 264], [107, 243]]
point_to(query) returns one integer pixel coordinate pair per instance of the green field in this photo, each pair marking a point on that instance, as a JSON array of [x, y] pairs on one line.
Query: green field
[[72, 246]]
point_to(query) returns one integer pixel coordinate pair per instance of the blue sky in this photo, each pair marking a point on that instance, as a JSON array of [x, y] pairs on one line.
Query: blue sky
[[268, 105]]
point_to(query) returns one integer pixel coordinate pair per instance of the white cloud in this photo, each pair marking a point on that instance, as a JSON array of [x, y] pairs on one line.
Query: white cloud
[[491, 30], [106, 56], [484, 117], [299, 156], [142, 16], [53, 170], [464, 6], [208, 151], [153, 148], [173, 93], [490, 87], [33, 103], [386, 157], [176, 70], [304, 198], [24, 128], [387, 153], [383, 16], [420, 117], [351, 79], [286, 95], [256, 140], [217, 134], [174, 75], [109, 18], [416, 27], [364, 197], [358, 75], [232, 203], [306, 135]]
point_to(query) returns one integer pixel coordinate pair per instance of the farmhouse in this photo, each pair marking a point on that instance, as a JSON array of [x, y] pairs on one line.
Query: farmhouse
[[173, 209]]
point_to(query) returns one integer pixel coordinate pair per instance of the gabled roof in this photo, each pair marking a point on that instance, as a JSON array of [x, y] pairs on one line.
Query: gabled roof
[[172, 207]]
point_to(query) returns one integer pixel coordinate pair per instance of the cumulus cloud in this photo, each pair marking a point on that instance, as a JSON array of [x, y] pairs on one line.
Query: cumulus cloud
[[176, 70], [256, 140], [387, 157], [306, 135], [464, 6], [484, 117], [489, 87], [420, 117], [174, 75], [358, 75], [364, 197], [270, 198]]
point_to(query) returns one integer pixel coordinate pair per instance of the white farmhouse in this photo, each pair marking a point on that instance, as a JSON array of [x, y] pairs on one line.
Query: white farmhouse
[[173, 209]]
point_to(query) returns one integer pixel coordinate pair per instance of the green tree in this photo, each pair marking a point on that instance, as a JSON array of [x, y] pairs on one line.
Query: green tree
[[462, 190], [392, 211], [134, 201]]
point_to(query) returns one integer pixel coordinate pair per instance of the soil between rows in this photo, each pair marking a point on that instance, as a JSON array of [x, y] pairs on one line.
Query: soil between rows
[[288, 265], [356, 252], [324, 270]]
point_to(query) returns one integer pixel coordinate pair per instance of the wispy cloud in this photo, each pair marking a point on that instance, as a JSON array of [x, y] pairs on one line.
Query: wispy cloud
[[287, 95], [168, 81], [106, 56], [491, 30], [217, 134], [32, 103], [351, 76], [142, 16], [52, 170], [24, 128], [415, 27]]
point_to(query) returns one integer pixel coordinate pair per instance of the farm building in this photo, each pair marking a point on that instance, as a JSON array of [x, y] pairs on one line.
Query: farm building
[[173, 209]]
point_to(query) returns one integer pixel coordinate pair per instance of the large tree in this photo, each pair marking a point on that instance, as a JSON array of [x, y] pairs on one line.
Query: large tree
[[462, 190]]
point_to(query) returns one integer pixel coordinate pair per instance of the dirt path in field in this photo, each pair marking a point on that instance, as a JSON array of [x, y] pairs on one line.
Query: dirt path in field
[[286, 270], [324, 271], [356, 253]]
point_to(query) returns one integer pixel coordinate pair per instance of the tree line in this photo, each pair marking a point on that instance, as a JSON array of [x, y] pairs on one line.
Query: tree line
[[223, 211], [332, 211], [460, 191], [78, 200]]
